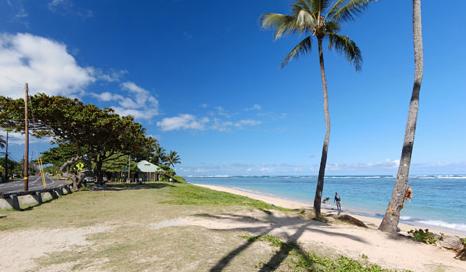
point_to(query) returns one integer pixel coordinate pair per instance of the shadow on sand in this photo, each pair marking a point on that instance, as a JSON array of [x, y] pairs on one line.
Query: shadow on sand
[[296, 225]]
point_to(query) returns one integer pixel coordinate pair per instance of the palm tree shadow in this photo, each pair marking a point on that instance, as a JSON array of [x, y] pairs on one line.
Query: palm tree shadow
[[276, 222], [285, 250]]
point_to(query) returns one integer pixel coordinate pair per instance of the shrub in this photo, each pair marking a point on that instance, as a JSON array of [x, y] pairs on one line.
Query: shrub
[[424, 236]]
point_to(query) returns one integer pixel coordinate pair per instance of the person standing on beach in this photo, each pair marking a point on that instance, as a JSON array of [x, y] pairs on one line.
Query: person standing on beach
[[338, 202]]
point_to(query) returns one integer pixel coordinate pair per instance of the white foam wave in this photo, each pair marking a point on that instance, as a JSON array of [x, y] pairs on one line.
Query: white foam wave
[[406, 218], [442, 177], [212, 176], [443, 224]]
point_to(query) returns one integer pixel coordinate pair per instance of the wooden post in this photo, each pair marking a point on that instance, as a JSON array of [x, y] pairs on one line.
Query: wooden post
[[129, 169], [6, 158], [26, 140]]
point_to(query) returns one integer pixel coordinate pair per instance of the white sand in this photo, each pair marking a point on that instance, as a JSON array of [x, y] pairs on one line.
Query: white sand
[[20, 249], [340, 238]]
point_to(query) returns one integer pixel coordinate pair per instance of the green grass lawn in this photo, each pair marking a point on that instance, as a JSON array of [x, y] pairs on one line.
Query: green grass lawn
[[131, 245]]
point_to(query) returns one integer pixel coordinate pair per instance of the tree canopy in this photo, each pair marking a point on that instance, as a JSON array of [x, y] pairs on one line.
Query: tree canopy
[[320, 19], [78, 128]]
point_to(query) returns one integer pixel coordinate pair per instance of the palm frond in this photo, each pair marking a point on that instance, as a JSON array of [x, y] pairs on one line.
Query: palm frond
[[336, 6], [305, 20], [282, 23], [348, 47], [332, 27], [302, 48], [318, 6], [346, 10]]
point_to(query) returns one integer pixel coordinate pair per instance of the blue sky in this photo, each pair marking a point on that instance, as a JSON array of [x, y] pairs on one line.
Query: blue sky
[[205, 79]]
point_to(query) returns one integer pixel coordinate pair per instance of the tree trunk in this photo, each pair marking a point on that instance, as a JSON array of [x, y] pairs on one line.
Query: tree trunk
[[98, 171], [392, 215], [323, 159]]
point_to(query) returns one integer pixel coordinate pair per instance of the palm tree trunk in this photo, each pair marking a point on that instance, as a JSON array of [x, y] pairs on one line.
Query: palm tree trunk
[[323, 159], [392, 215]]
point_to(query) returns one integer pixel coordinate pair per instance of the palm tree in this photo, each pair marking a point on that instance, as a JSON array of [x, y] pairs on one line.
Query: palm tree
[[158, 154], [320, 20], [173, 158], [2, 142], [400, 191]]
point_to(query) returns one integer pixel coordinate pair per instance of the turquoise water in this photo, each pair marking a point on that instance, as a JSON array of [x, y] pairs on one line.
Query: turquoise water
[[437, 200]]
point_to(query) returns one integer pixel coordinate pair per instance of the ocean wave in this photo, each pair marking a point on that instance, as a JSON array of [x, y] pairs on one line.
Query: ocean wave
[[441, 177], [443, 224], [406, 218], [359, 177], [208, 176]]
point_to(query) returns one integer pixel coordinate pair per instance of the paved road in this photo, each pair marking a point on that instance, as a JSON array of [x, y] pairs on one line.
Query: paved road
[[35, 183]]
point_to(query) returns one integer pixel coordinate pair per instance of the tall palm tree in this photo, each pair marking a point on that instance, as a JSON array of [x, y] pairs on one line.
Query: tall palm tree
[[173, 158], [2, 142], [319, 20], [392, 215]]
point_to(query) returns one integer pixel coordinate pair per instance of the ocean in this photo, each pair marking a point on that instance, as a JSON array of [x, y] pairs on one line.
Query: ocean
[[438, 200]]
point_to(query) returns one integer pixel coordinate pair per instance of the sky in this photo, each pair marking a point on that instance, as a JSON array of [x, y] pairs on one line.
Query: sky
[[205, 80]]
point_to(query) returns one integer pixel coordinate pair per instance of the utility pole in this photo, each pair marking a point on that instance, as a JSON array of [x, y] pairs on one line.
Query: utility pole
[[129, 168], [6, 158], [26, 139]]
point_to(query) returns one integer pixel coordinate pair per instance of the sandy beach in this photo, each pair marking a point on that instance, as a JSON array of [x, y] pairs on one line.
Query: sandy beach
[[355, 242], [293, 204]]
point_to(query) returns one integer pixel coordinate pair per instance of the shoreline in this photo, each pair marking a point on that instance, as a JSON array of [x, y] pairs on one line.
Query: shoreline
[[371, 221]]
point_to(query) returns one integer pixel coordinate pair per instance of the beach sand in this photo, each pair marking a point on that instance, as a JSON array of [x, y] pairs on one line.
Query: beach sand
[[349, 240]]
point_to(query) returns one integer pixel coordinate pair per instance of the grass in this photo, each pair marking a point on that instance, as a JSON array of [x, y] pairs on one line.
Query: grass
[[186, 194], [132, 245], [126, 203], [299, 260]]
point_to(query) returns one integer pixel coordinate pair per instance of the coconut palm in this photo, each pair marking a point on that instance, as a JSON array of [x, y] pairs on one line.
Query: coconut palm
[[158, 155], [2, 142], [401, 190], [173, 158], [319, 20]]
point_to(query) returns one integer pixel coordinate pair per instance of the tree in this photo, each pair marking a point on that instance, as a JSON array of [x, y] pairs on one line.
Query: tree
[[58, 155], [320, 20], [401, 189], [2, 142], [13, 166], [173, 158], [158, 156], [117, 166], [99, 134]]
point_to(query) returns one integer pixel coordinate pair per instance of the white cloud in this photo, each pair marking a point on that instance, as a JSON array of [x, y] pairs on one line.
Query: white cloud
[[182, 121], [191, 122], [247, 123], [53, 4], [111, 76], [20, 14], [218, 118], [387, 167], [16, 138], [388, 164], [139, 103], [65, 7], [244, 169], [225, 125], [44, 63], [255, 107], [106, 96]]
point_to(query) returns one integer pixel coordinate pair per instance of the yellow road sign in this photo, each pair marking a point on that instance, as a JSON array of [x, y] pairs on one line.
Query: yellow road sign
[[80, 166]]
